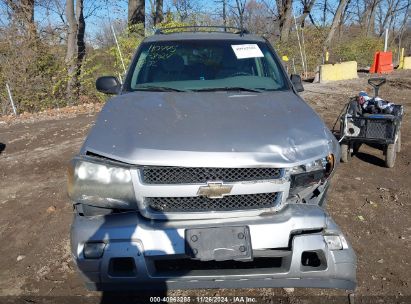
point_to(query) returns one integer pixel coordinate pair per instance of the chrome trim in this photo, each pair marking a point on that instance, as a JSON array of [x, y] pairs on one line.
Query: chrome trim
[[141, 190], [214, 190]]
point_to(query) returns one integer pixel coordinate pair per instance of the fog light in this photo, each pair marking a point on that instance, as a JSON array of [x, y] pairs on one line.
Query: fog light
[[333, 242], [93, 250]]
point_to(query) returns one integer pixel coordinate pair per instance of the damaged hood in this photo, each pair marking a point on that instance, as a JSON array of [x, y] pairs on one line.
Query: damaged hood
[[210, 129]]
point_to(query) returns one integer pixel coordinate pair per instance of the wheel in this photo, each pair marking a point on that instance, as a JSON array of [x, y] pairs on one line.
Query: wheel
[[390, 155], [345, 153], [399, 141]]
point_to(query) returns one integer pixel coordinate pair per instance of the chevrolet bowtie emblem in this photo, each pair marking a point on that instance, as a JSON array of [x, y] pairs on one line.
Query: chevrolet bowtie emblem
[[214, 190]]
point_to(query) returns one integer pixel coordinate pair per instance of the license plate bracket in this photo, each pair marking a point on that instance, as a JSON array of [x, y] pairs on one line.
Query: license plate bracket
[[219, 243]]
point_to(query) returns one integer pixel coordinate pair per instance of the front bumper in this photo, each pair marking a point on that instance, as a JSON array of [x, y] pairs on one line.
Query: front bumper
[[293, 231]]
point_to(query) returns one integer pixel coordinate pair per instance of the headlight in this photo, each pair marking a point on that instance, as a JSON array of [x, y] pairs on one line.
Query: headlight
[[100, 184], [310, 173]]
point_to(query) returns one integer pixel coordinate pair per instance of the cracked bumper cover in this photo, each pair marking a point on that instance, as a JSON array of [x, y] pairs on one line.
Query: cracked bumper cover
[[130, 235]]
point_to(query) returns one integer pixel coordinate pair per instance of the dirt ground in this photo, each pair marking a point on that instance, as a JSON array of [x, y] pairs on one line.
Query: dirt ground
[[368, 201]]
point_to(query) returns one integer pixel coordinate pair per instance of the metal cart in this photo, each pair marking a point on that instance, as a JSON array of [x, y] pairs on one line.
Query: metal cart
[[357, 128]]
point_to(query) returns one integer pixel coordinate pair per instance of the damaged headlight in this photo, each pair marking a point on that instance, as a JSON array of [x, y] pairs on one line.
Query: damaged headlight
[[311, 173], [101, 184]]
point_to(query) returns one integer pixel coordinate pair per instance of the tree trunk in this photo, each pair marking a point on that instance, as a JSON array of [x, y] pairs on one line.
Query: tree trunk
[[324, 19], [81, 45], [371, 17], [285, 15], [71, 51], [371, 24], [225, 14], [240, 9], [76, 47], [24, 13], [392, 7], [136, 12], [158, 18], [335, 23], [308, 5], [27, 7], [343, 18]]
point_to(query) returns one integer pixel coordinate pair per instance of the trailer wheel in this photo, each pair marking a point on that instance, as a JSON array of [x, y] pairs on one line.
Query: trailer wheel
[[345, 153], [390, 155], [399, 141]]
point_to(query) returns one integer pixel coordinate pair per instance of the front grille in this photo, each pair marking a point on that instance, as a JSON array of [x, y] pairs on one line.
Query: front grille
[[201, 203], [185, 175]]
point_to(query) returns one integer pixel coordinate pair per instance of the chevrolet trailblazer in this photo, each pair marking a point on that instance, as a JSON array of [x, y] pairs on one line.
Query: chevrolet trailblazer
[[206, 170]]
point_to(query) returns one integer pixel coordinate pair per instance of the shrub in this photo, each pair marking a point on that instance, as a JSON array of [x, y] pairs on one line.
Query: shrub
[[360, 49]]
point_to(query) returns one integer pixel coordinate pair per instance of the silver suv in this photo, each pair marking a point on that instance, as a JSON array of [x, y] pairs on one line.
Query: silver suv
[[206, 170]]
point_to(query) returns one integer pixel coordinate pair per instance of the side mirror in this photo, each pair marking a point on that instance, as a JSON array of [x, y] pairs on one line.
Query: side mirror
[[297, 82], [108, 85]]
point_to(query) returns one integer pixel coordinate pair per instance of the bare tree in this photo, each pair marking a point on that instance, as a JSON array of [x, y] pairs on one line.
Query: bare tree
[[136, 12], [75, 46], [324, 17], [371, 11], [344, 18], [240, 7], [158, 17], [404, 25], [307, 7], [257, 18], [336, 21], [223, 10], [224, 13], [282, 13], [81, 29], [364, 12], [23, 12], [388, 10], [183, 8], [285, 8]]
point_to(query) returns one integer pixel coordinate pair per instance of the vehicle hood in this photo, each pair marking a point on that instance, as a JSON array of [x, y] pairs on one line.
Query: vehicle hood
[[210, 129]]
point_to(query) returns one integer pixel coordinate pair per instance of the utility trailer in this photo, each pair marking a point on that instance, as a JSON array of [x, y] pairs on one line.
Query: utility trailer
[[383, 130]]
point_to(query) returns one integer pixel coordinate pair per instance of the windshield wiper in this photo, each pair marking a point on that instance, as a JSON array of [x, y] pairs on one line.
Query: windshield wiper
[[227, 89], [158, 89]]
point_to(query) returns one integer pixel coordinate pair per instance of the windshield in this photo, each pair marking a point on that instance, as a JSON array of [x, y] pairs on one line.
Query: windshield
[[206, 65]]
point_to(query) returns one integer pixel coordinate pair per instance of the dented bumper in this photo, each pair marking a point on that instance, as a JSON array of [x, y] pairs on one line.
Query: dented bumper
[[288, 249]]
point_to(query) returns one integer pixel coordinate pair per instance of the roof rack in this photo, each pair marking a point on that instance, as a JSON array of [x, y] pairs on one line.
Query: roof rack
[[202, 28]]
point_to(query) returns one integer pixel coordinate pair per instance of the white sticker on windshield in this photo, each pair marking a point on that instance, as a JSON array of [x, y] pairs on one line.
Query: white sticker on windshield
[[247, 51]]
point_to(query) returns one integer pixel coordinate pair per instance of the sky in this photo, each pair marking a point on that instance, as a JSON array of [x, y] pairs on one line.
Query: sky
[[101, 12], [98, 12]]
